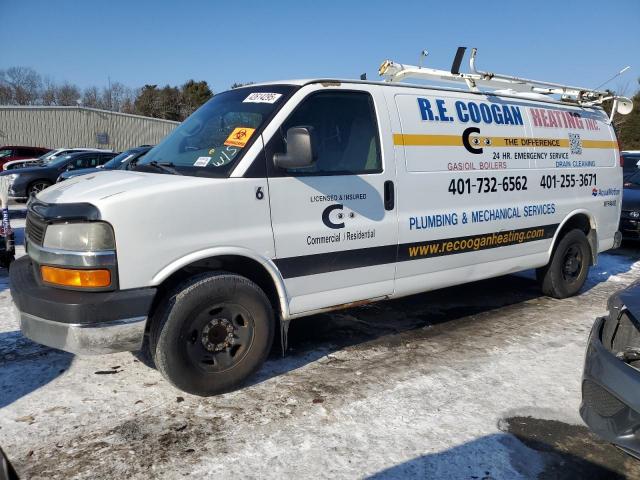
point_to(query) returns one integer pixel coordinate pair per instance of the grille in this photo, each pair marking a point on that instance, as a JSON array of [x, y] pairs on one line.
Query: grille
[[600, 400], [35, 229]]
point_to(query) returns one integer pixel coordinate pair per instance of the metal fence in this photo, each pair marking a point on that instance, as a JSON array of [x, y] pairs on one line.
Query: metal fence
[[57, 127]]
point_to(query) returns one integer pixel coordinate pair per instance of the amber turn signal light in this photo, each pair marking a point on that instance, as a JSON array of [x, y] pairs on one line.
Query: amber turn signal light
[[76, 278]]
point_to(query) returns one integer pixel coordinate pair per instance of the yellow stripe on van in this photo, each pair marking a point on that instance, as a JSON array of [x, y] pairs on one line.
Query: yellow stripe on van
[[411, 140], [599, 144], [421, 140]]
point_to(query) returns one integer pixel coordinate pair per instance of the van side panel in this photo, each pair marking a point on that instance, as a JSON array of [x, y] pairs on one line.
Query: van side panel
[[487, 181], [582, 171]]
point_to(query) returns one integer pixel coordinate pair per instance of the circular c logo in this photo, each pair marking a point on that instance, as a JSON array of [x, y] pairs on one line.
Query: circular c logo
[[327, 212], [472, 146]]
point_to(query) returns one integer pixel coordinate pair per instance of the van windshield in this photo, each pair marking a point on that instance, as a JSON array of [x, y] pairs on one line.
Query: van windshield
[[214, 138]]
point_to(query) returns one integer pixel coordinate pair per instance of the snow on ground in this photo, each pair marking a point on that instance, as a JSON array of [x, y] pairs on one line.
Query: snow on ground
[[412, 388]]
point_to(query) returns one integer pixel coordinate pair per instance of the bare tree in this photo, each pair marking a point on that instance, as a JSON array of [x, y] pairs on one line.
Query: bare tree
[[67, 94], [91, 98], [24, 83], [6, 95], [115, 96], [48, 91]]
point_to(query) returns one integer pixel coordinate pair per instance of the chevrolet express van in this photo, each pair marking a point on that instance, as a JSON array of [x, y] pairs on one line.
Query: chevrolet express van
[[280, 200]]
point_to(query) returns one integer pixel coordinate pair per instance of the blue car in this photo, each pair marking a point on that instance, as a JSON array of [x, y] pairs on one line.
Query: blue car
[[124, 161], [630, 216]]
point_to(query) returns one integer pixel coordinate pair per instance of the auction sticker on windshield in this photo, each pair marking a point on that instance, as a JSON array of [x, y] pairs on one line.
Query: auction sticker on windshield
[[262, 97], [202, 162], [239, 137]]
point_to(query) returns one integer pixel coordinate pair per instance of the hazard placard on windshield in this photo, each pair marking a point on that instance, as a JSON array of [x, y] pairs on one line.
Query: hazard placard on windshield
[[239, 137]]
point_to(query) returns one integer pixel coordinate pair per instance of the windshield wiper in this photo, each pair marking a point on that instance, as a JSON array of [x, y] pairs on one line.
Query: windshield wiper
[[165, 167]]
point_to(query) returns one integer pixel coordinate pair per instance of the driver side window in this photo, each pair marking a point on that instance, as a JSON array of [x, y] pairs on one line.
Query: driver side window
[[345, 133]]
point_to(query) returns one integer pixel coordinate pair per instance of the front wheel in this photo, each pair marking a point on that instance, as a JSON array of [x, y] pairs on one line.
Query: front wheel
[[212, 333], [567, 271], [37, 186]]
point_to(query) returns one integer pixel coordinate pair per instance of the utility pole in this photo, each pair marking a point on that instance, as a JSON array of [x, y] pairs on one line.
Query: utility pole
[[110, 95]]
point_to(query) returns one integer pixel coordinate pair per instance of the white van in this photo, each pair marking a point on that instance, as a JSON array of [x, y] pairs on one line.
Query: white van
[[281, 200]]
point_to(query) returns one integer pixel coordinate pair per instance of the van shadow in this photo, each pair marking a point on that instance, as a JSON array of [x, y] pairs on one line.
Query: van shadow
[[311, 338], [4, 280], [26, 366], [17, 213], [18, 233], [536, 449], [314, 337]]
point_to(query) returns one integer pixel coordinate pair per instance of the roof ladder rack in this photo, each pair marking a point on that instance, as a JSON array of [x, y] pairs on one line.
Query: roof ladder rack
[[395, 72]]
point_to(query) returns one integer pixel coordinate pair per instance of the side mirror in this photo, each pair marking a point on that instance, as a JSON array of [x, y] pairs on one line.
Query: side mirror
[[300, 149]]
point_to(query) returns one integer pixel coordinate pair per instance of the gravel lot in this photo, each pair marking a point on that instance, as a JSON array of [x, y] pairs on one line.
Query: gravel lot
[[480, 381]]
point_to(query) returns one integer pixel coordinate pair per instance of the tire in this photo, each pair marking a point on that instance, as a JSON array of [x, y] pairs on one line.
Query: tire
[[212, 333], [37, 187], [567, 271]]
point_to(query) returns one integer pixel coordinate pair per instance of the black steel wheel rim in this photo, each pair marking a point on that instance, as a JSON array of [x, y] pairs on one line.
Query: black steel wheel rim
[[219, 336], [572, 264]]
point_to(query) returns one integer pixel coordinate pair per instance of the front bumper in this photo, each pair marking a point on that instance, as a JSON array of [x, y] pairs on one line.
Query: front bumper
[[79, 322], [610, 400], [630, 228]]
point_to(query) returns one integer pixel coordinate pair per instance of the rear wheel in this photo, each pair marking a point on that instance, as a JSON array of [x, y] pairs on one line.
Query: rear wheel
[[37, 187], [567, 271], [212, 333]]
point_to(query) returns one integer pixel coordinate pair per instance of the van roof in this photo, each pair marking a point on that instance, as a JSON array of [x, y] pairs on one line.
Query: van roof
[[530, 97]]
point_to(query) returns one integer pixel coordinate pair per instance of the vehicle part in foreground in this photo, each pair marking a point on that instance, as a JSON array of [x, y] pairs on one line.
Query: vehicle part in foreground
[[7, 472], [611, 379]]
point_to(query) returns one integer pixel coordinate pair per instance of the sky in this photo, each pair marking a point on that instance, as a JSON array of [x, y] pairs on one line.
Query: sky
[[139, 42]]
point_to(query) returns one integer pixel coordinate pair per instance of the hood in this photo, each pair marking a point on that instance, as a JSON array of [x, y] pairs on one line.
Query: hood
[[27, 170], [118, 185], [81, 171], [25, 161], [631, 198]]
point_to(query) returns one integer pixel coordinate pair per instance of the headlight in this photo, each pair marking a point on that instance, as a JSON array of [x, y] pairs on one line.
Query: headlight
[[12, 178], [83, 237]]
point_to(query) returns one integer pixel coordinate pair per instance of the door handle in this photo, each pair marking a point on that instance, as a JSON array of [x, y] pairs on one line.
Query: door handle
[[389, 197]]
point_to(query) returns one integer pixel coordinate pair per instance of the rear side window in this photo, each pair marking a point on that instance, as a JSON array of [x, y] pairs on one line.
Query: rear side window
[[345, 131], [88, 161]]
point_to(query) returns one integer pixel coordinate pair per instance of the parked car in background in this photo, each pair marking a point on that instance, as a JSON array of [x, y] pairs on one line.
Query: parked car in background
[[630, 216], [611, 379], [27, 181], [49, 156], [10, 153], [631, 160], [124, 161]]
